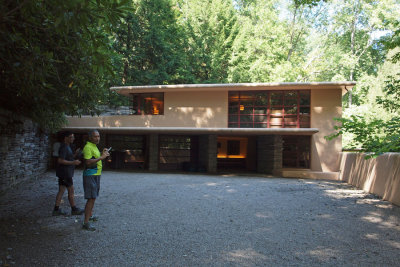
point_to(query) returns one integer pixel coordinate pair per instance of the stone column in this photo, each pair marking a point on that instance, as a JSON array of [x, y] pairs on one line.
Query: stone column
[[269, 154], [152, 150], [208, 152]]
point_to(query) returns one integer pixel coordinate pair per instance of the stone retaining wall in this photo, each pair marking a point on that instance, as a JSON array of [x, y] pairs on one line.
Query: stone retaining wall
[[24, 150], [380, 176]]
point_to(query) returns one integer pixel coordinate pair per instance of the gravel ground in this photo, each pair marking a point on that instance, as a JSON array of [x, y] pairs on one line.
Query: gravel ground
[[162, 219]]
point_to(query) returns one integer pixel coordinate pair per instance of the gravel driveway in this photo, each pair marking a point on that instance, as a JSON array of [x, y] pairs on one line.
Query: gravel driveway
[[149, 219]]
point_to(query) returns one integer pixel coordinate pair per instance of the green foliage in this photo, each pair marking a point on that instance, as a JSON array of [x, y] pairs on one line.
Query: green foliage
[[60, 57], [211, 28], [374, 134], [150, 46], [54, 56]]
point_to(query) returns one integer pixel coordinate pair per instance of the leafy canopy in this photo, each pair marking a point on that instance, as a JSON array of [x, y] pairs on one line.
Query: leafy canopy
[[55, 56]]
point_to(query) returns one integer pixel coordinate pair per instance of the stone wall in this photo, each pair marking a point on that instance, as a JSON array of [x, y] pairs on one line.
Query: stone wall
[[269, 154], [24, 150]]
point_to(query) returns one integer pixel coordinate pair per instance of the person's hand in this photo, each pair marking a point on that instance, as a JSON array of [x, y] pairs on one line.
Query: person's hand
[[77, 162], [105, 153]]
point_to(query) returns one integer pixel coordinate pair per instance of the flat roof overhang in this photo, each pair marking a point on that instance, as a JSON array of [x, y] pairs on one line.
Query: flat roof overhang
[[198, 131], [126, 90]]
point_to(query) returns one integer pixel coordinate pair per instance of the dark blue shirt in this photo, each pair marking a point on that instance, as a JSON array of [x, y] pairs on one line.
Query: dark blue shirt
[[65, 171]]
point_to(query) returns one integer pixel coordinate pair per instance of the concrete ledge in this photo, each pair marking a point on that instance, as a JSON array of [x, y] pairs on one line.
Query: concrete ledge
[[307, 173], [195, 130]]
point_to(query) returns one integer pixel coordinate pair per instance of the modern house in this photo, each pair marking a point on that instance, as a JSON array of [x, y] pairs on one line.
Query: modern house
[[268, 128]]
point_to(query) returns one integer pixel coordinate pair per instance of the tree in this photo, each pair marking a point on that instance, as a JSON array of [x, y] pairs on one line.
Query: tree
[[151, 45], [377, 130], [271, 44], [55, 56], [211, 28]]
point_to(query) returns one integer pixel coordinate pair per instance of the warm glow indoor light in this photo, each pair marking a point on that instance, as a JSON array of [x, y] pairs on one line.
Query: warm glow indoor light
[[241, 107]]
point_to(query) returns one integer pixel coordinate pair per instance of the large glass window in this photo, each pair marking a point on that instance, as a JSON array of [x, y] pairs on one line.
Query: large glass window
[[175, 149], [147, 104], [127, 150], [269, 109], [296, 151]]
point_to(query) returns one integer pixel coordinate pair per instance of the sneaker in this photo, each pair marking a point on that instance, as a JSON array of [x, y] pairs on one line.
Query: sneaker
[[77, 211], [93, 218], [59, 212], [87, 226]]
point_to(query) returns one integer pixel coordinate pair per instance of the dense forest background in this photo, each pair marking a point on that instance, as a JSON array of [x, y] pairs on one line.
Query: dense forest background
[[61, 57]]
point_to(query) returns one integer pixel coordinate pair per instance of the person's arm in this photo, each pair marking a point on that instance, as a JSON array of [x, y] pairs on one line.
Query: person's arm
[[67, 162], [62, 155], [104, 155], [77, 152]]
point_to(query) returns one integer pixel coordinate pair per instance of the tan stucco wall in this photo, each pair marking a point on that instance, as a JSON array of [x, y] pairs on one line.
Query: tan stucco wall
[[181, 109], [208, 109], [325, 105], [380, 176]]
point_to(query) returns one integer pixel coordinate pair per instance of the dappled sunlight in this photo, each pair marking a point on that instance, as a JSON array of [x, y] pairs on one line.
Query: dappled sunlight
[[378, 218], [324, 254], [393, 243], [345, 193], [184, 110], [263, 215], [369, 201], [372, 236], [202, 119], [318, 109], [196, 116], [373, 218], [245, 254], [325, 216]]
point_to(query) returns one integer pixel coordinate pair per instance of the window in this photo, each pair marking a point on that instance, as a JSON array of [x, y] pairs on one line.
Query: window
[[269, 109], [296, 151], [175, 149], [128, 151], [147, 104]]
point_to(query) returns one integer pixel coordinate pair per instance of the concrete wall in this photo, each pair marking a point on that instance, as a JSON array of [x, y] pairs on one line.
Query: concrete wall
[[181, 109], [380, 176], [325, 105], [24, 150]]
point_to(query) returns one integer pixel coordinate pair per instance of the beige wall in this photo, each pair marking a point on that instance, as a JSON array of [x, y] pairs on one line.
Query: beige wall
[[380, 176], [209, 109], [181, 109], [325, 105]]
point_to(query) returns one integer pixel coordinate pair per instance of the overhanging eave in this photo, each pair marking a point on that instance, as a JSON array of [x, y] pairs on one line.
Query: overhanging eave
[[199, 131]]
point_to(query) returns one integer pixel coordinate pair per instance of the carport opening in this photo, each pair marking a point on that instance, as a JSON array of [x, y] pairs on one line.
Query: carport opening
[[232, 153]]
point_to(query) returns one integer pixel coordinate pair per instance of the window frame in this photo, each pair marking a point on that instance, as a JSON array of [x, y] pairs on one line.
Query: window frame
[[242, 107], [138, 107]]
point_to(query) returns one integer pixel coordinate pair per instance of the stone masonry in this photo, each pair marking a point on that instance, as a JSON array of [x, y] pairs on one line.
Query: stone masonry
[[24, 150], [208, 152], [269, 154], [152, 148]]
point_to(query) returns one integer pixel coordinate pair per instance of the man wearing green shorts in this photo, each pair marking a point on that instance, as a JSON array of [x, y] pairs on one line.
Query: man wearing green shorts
[[91, 176]]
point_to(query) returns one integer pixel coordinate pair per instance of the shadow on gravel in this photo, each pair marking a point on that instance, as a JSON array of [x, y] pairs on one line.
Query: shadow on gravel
[[169, 219]]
